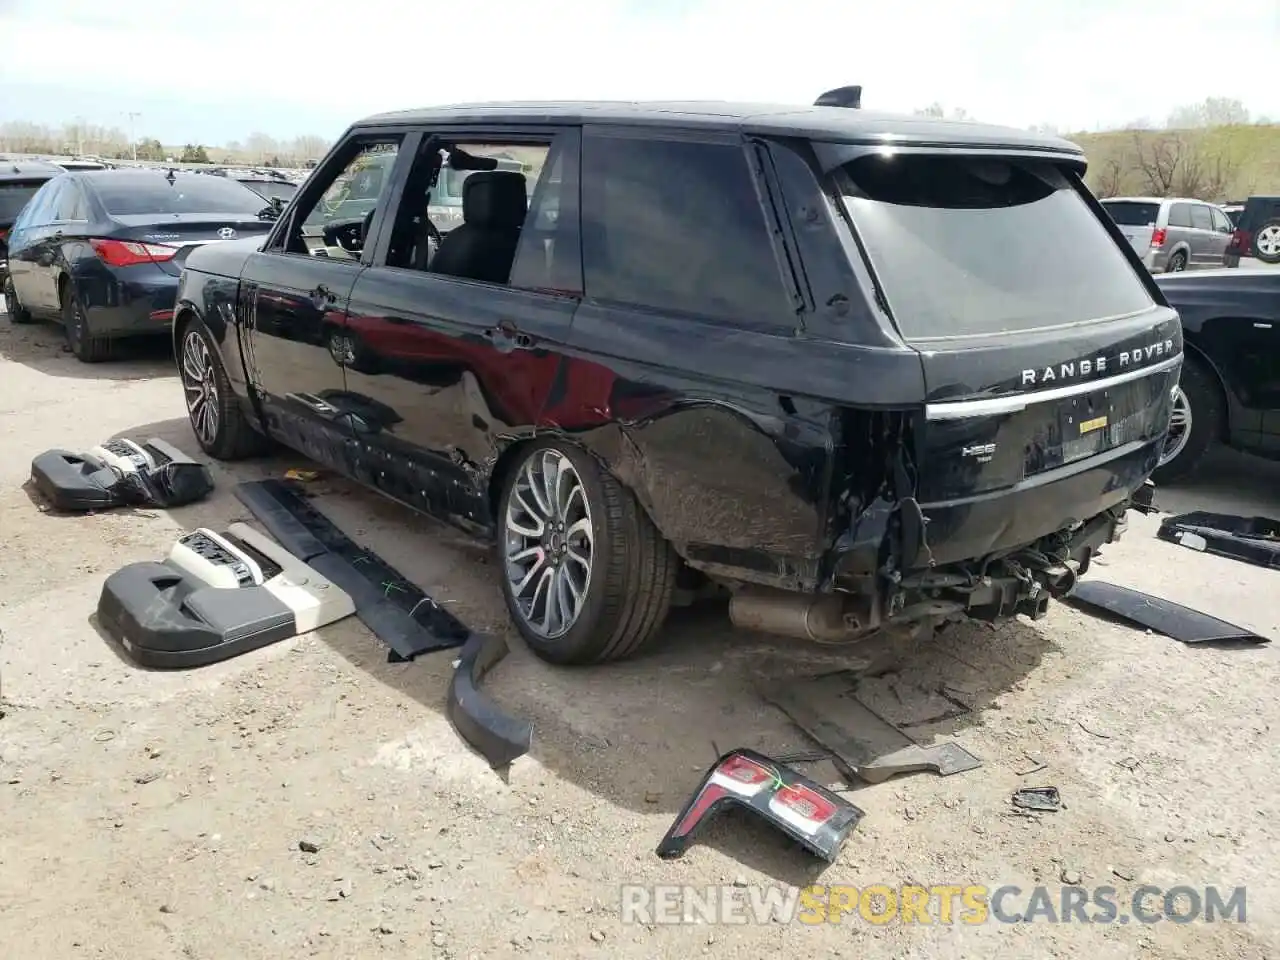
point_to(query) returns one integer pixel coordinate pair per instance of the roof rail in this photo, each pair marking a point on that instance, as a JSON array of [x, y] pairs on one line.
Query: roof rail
[[850, 97]]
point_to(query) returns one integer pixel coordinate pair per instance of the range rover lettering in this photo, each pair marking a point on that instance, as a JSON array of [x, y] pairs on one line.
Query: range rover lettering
[[800, 356]]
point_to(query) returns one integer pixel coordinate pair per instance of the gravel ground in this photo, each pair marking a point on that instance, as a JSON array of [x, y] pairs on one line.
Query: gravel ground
[[157, 815]]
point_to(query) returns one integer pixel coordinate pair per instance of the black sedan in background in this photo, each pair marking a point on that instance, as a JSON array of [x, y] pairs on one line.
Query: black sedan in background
[[102, 251], [1230, 386], [19, 181]]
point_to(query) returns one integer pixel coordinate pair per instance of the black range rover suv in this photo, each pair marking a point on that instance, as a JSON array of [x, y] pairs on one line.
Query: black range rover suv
[[810, 355]]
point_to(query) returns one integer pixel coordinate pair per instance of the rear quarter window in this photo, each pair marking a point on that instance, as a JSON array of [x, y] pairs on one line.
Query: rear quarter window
[[1132, 213], [975, 246]]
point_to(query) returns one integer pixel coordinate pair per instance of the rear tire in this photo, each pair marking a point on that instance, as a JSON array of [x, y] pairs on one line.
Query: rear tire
[[622, 593], [80, 339], [1266, 242], [216, 417], [1177, 263], [1205, 413], [17, 313]]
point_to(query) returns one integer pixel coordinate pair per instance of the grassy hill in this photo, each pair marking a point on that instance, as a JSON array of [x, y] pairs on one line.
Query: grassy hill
[[1213, 163]]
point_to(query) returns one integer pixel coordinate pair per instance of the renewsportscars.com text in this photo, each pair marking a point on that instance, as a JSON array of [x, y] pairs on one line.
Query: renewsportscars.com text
[[966, 904]]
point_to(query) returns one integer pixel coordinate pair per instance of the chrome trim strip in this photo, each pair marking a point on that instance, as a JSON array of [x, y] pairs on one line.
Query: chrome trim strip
[[966, 409]]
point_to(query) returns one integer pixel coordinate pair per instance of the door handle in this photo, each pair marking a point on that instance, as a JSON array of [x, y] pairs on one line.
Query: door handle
[[506, 336], [322, 295]]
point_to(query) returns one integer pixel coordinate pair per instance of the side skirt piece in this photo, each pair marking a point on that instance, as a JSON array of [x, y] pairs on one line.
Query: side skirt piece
[[398, 612]]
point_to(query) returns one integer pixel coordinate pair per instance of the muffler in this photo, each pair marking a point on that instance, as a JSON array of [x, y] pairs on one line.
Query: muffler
[[826, 618]]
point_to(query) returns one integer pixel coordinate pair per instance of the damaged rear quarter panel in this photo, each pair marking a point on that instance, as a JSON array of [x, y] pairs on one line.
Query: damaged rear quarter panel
[[727, 436]]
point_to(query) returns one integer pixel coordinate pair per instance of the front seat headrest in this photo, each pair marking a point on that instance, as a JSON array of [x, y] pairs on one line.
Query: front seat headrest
[[494, 198]]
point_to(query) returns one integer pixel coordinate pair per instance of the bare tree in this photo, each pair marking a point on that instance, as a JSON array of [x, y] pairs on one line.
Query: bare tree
[[1210, 112], [1110, 176], [1158, 159]]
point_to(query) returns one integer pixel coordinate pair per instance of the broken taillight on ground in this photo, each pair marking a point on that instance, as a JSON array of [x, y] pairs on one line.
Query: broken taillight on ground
[[797, 806]]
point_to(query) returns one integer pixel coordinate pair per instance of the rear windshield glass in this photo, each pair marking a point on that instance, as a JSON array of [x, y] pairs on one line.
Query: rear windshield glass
[[14, 195], [1132, 213], [966, 246], [132, 196]]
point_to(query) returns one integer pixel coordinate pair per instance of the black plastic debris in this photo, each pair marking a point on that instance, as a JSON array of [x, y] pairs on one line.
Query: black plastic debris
[[805, 811], [1155, 613], [119, 473], [398, 612], [499, 737], [861, 742], [1249, 539], [1046, 799]]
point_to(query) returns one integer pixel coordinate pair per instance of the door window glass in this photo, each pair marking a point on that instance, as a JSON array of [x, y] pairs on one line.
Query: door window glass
[[678, 226], [336, 211], [1221, 222], [1180, 215], [1201, 219]]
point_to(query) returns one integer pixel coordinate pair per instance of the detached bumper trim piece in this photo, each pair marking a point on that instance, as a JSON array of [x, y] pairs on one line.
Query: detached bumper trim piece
[[499, 737], [1155, 613]]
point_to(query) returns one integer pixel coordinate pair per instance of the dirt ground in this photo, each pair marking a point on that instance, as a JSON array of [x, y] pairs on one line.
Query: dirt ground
[[159, 815]]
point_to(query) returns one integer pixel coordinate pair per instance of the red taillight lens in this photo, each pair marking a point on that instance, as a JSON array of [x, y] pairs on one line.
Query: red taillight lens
[[805, 803], [1157, 237], [745, 771], [1241, 241], [122, 253]]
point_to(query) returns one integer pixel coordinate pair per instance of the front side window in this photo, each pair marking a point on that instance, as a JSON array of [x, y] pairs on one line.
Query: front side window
[[357, 188], [674, 225], [338, 206], [969, 246]]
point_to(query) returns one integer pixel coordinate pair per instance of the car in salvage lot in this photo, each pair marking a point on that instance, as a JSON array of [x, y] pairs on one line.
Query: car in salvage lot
[[819, 369], [101, 251], [19, 181], [1230, 387], [1172, 234]]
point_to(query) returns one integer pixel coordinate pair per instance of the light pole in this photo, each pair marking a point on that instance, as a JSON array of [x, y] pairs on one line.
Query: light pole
[[133, 142]]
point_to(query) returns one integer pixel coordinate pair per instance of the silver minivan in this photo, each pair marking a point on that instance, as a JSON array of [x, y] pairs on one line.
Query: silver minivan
[[1172, 234]]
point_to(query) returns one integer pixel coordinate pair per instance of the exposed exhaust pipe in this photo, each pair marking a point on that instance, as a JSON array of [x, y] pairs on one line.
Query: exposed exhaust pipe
[[829, 618]]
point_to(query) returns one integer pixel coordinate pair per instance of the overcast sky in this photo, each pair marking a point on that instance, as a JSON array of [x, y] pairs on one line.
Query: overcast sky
[[218, 70]]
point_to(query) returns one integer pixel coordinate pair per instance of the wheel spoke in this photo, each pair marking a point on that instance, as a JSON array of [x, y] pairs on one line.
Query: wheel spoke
[[547, 545]]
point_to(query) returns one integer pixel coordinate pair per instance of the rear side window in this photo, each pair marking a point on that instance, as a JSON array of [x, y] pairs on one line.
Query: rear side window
[[968, 246], [678, 226], [138, 195], [1201, 218], [14, 195], [1180, 215], [1132, 213]]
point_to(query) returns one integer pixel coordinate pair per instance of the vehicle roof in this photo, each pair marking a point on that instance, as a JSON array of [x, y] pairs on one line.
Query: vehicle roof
[[28, 170], [1208, 203], [820, 123]]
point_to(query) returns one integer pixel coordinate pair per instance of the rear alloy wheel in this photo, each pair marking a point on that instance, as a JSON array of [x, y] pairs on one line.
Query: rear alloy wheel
[[1266, 242], [220, 426], [15, 310], [1194, 426], [86, 347], [1177, 263], [587, 577]]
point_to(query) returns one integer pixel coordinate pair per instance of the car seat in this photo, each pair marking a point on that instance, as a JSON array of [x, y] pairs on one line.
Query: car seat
[[483, 247]]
